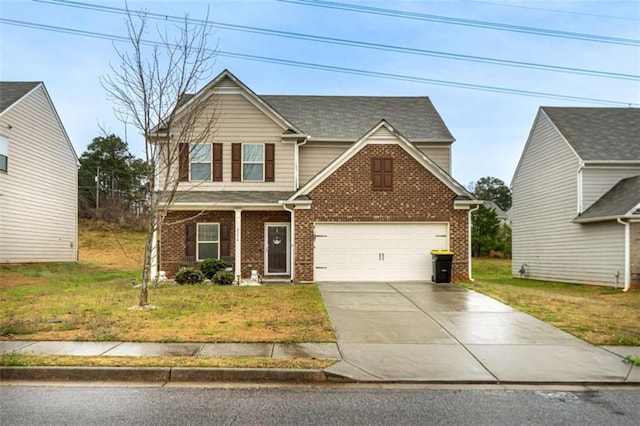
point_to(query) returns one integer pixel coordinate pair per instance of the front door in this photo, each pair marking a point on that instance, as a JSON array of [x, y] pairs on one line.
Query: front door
[[277, 249]]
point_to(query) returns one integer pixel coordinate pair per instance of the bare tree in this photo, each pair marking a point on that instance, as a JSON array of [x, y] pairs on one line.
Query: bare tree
[[150, 87]]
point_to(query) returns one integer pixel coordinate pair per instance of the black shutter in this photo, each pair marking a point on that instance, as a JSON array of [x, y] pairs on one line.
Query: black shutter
[[269, 162], [236, 162], [190, 246], [217, 162], [183, 162], [225, 240]]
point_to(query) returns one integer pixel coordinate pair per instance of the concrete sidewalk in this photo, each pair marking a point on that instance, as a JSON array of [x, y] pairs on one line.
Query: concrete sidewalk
[[269, 350]]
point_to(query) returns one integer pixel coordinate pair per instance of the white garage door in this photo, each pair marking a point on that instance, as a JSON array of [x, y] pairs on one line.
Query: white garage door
[[377, 251]]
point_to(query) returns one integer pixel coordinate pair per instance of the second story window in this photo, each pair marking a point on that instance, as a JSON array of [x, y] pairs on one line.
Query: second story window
[[4, 154], [200, 161], [252, 162]]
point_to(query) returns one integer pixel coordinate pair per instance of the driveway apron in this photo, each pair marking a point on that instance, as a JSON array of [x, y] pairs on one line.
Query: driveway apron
[[442, 332]]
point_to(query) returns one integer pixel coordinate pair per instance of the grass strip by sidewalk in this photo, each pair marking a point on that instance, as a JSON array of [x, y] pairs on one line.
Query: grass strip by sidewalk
[[19, 360], [599, 315]]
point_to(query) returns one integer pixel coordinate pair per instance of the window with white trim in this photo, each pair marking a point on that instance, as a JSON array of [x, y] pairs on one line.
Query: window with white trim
[[208, 241], [253, 162], [200, 161], [4, 154]]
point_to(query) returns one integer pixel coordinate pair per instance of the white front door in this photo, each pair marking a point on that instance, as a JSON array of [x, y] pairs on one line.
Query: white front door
[[377, 251]]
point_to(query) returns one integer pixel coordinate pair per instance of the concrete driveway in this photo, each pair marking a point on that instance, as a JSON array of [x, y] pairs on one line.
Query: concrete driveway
[[442, 332]]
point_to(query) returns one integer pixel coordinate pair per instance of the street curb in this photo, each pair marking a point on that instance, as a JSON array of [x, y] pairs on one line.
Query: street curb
[[86, 374], [186, 374], [151, 374]]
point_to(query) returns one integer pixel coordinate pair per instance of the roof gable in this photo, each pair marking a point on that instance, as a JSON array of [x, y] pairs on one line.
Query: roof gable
[[599, 134], [622, 200], [12, 91], [27, 88], [427, 163], [349, 117], [226, 82]]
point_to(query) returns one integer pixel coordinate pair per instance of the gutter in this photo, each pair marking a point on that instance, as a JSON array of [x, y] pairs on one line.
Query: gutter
[[627, 254], [469, 244], [296, 163]]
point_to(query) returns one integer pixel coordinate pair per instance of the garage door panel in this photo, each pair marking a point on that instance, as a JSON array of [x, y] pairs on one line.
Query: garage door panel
[[376, 251]]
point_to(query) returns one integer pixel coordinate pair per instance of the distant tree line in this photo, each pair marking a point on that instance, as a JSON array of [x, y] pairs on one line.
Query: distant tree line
[[112, 182], [490, 236]]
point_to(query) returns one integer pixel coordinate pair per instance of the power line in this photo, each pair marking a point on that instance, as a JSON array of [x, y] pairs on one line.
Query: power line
[[544, 9], [465, 22], [342, 70], [352, 43]]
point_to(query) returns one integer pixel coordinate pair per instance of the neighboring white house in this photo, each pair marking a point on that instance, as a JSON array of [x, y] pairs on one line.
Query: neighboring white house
[[38, 178], [576, 197]]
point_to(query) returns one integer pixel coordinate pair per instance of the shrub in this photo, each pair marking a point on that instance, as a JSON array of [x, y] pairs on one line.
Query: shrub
[[223, 278], [189, 276], [210, 267]]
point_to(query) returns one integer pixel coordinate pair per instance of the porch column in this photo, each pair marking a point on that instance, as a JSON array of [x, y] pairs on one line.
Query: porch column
[[237, 268]]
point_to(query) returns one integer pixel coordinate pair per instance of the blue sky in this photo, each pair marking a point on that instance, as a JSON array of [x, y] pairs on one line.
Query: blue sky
[[490, 128]]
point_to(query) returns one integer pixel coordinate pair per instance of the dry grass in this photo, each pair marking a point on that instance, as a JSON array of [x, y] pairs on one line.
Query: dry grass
[[111, 247], [19, 360], [91, 299], [599, 315]]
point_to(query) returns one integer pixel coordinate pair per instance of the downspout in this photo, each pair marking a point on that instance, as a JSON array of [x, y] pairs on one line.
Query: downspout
[[296, 163], [627, 254], [579, 183], [292, 247], [469, 244]]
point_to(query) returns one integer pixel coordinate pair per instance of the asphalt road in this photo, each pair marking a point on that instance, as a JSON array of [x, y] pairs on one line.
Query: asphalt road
[[82, 405]]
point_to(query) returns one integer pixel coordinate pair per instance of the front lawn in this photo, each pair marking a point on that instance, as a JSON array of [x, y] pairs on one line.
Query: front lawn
[[90, 300], [599, 315]]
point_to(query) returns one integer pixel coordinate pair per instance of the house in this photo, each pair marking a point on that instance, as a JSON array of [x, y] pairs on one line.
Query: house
[[503, 216], [38, 178], [576, 198], [318, 188]]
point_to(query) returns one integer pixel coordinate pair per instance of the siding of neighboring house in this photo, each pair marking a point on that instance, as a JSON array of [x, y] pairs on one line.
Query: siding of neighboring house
[[38, 194], [346, 196], [316, 156], [239, 121], [635, 254], [596, 181], [544, 205]]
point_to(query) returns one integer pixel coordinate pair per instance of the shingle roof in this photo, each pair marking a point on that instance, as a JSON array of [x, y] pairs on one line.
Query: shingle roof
[[11, 91], [232, 197], [617, 202], [350, 117], [600, 134]]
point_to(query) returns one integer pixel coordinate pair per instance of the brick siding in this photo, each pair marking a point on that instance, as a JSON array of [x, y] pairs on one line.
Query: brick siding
[[347, 196], [253, 238], [173, 237]]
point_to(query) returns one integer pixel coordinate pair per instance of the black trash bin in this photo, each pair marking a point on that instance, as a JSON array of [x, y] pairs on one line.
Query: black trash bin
[[441, 262]]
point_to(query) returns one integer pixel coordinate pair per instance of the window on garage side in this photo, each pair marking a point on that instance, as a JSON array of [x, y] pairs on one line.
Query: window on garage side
[[208, 241], [382, 174]]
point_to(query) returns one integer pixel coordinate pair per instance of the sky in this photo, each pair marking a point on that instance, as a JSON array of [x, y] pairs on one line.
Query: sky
[[490, 128]]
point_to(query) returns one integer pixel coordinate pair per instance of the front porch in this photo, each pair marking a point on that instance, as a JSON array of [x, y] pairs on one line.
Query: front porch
[[252, 242]]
